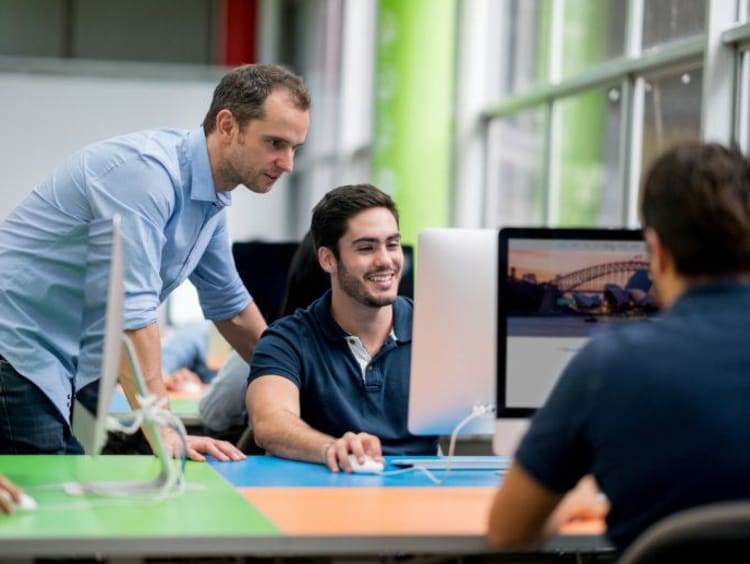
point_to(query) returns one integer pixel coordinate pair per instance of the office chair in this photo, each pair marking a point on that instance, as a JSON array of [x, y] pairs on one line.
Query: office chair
[[718, 532]]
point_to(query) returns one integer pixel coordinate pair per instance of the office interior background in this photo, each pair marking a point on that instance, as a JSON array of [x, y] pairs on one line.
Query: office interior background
[[471, 113]]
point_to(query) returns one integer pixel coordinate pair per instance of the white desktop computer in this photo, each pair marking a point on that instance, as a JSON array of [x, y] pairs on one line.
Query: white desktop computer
[[453, 367]]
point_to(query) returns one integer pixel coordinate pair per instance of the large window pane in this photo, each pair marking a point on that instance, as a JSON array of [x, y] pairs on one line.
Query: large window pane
[[593, 32], [587, 154], [667, 20], [516, 169], [525, 43], [672, 111]]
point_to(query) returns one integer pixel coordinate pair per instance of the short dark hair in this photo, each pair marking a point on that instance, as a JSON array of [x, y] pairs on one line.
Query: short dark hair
[[697, 198], [331, 214], [244, 89]]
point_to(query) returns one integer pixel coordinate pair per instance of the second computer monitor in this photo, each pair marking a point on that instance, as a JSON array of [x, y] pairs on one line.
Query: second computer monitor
[[454, 331], [556, 288]]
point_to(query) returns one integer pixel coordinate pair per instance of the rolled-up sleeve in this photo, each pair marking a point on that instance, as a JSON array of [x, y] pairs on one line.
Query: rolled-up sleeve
[[221, 292]]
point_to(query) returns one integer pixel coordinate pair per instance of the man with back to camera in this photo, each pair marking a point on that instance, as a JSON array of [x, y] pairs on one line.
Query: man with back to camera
[[333, 379], [170, 188], [641, 406]]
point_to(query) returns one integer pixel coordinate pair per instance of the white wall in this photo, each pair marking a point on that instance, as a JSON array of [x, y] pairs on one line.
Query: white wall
[[44, 117]]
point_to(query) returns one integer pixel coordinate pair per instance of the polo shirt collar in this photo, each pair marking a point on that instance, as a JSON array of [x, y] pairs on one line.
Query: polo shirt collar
[[333, 331], [202, 182]]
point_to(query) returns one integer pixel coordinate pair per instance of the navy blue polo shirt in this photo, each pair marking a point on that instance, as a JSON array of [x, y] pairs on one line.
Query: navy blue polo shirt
[[658, 411], [310, 349]]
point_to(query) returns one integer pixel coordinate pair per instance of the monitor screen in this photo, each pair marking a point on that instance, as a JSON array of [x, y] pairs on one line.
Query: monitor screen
[[453, 336], [556, 288]]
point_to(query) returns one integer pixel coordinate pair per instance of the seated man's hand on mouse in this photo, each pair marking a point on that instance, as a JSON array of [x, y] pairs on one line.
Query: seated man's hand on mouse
[[361, 445]]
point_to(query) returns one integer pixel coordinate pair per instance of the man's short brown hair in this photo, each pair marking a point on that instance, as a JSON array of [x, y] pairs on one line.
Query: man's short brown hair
[[244, 89], [696, 197]]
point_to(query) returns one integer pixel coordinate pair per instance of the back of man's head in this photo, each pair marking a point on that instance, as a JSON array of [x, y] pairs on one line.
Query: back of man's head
[[696, 197], [244, 89], [332, 212]]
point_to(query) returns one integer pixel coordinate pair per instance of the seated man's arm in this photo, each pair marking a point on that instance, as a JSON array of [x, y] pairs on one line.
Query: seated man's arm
[[274, 407], [525, 513]]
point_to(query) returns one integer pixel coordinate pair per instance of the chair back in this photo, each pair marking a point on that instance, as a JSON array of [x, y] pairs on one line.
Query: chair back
[[718, 532]]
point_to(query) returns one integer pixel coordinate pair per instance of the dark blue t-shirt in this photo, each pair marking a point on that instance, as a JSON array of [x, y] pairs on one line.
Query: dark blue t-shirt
[[310, 349], [658, 411]]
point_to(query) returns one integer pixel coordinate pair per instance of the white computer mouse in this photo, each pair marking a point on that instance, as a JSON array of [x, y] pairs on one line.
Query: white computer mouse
[[369, 466], [27, 503]]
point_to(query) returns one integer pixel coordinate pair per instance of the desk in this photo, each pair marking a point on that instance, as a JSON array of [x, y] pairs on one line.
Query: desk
[[260, 507], [361, 514]]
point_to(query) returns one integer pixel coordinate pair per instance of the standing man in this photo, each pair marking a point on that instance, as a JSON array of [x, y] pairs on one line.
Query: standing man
[[170, 188], [658, 412]]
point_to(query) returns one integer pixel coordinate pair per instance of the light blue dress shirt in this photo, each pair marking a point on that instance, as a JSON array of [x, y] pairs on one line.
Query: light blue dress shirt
[[173, 227]]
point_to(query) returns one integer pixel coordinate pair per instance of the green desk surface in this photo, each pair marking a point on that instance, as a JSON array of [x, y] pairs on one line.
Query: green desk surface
[[184, 406], [208, 507]]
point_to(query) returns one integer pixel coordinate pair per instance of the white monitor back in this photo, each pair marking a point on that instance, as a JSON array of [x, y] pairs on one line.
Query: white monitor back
[[91, 428], [453, 365]]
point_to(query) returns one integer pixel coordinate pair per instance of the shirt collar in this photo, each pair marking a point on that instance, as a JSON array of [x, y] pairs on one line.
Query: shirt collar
[[401, 319], [202, 182]]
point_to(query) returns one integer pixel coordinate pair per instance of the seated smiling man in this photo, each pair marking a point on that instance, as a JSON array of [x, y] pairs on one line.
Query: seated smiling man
[[333, 379]]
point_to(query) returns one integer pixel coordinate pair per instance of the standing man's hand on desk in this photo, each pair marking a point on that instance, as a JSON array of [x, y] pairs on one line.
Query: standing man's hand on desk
[[274, 408], [146, 343]]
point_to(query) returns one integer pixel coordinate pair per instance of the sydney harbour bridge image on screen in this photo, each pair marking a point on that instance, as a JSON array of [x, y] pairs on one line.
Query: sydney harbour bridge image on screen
[[576, 302]]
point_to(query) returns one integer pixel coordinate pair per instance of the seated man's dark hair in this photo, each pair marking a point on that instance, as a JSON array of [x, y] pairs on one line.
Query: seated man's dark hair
[[697, 198], [244, 89], [331, 214]]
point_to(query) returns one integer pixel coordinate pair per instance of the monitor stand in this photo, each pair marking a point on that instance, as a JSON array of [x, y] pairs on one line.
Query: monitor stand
[[171, 470]]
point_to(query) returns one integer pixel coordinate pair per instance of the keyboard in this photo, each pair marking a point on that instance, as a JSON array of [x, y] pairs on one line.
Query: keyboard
[[455, 462]]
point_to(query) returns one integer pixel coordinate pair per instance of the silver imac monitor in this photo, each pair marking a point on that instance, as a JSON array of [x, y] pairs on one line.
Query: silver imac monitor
[[555, 288], [101, 349], [454, 331], [101, 343]]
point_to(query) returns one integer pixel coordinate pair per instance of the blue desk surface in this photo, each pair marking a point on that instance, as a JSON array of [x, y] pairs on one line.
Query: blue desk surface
[[269, 471]]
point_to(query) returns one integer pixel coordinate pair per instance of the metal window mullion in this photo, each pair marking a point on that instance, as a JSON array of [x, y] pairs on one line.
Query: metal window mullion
[[552, 168], [631, 135], [717, 107], [742, 123], [634, 163], [552, 151]]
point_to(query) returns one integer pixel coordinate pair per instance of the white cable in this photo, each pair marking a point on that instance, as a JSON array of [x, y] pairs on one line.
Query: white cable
[[153, 409], [479, 410], [415, 468]]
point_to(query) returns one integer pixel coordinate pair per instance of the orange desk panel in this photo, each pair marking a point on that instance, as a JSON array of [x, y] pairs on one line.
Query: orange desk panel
[[374, 511]]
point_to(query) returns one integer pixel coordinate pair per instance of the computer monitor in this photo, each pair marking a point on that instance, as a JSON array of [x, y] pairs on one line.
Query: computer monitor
[[557, 287], [454, 331], [101, 342], [101, 349]]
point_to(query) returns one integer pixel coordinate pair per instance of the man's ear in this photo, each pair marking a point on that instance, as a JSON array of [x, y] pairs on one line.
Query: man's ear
[[327, 260], [226, 125], [660, 260]]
